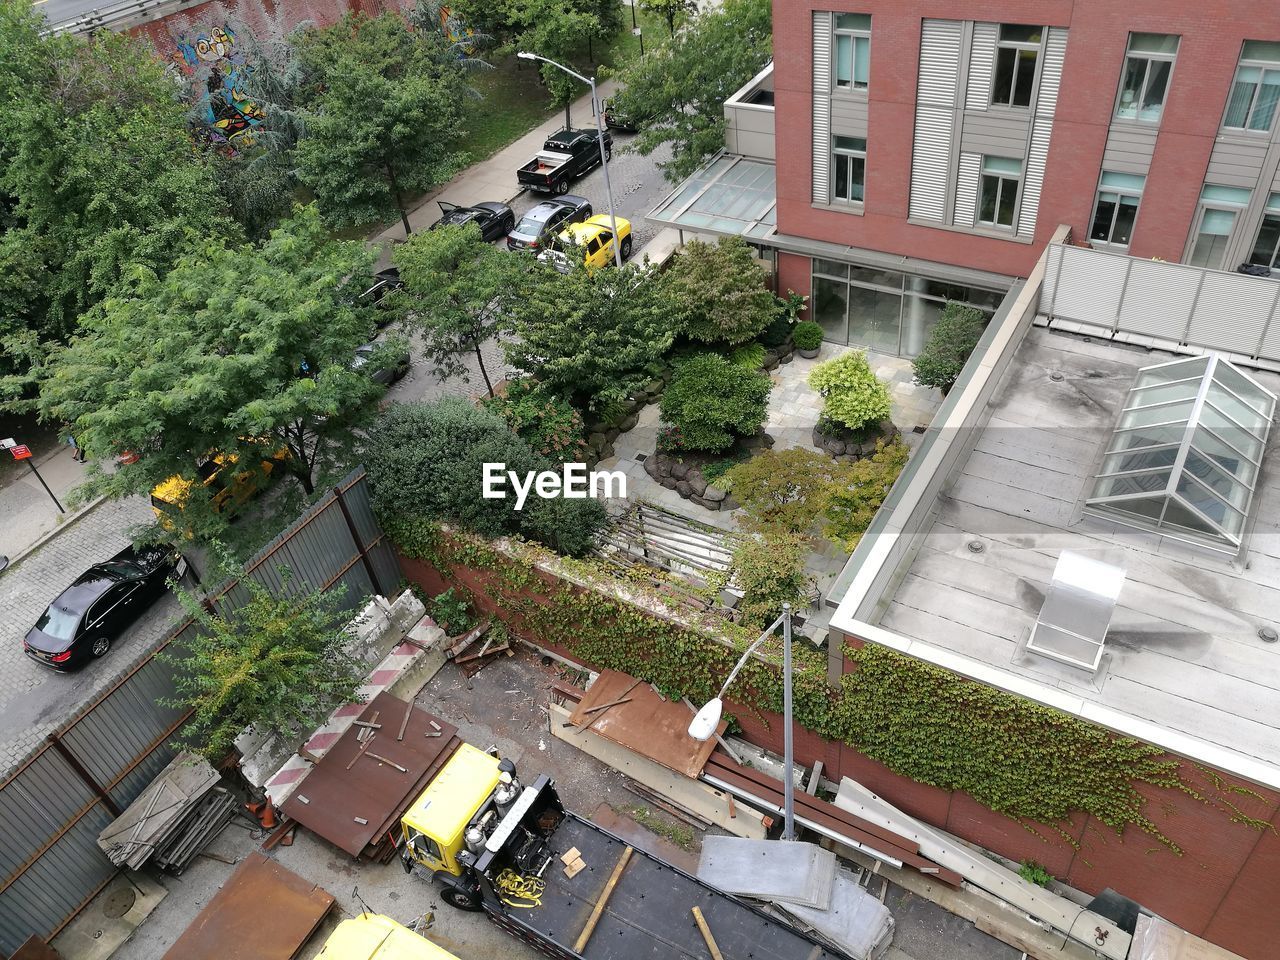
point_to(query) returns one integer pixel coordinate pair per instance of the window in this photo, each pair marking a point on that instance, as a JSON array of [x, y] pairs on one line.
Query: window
[[1266, 251], [853, 51], [850, 157], [1219, 207], [1116, 208], [1146, 76], [1016, 56], [999, 194], [1256, 89]]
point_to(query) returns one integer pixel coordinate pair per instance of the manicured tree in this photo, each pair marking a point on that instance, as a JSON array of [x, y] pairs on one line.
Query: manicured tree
[[278, 664], [720, 291], [854, 397], [711, 402], [670, 10], [953, 338], [461, 289], [787, 489]]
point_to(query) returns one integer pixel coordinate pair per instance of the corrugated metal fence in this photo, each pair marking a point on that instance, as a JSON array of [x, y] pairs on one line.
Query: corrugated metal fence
[[55, 804], [1170, 306]]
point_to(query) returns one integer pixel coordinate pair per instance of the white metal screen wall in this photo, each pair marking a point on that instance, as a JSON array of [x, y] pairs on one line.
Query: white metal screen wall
[[967, 189], [936, 93], [982, 59], [821, 107], [1041, 130]]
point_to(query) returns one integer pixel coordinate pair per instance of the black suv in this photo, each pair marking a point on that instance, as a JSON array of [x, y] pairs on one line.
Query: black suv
[[546, 220]]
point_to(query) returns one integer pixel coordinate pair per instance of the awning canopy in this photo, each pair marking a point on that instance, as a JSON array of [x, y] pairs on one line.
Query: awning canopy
[[731, 195]]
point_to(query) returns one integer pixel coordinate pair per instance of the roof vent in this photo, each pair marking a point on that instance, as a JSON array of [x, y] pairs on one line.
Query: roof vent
[[1073, 622]]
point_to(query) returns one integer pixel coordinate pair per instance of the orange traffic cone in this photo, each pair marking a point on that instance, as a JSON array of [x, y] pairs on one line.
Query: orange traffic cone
[[268, 820], [255, 808]]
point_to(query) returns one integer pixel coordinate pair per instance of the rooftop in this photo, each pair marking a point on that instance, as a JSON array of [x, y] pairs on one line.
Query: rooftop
[[1186, 663]]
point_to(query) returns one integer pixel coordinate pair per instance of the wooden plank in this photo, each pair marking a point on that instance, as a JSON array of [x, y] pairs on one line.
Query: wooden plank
[[606, 706], [404, 721], [603, 899], [706, 935]]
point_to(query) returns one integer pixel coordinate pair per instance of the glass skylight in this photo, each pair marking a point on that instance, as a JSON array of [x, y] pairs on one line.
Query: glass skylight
[[1185, 454], [731, 195]]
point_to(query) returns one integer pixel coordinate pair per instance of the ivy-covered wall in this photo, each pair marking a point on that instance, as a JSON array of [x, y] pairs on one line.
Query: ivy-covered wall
[[1024, 780]]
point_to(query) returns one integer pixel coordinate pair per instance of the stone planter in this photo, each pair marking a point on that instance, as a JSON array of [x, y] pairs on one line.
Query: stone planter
[[683, 474], [809, 354], [845, 444]]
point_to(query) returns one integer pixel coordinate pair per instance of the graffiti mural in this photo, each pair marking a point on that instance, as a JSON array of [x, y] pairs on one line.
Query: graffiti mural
[[216, 72]]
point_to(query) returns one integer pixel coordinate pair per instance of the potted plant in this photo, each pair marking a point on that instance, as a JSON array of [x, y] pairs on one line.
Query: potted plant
[[807, 337]]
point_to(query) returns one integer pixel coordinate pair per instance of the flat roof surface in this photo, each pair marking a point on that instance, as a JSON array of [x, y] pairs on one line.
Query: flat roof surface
[[1183, 650]]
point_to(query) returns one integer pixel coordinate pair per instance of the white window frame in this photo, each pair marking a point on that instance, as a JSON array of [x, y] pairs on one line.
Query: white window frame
[[1207, 204], [1002, 175], [1120, 192], [852, 35], [1148, 56], [850, 153], [1016, 45], [1246, 63]]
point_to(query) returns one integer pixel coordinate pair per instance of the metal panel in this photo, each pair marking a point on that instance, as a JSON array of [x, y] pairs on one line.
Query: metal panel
[[1129, 149], [967, 189], [935, 118], [1235, 164], [1157, 301], [1055, 51], [1230, 315], [982, 58], [1088, 287], [821, 107], [849, 116], [939, 63], [995, 134]]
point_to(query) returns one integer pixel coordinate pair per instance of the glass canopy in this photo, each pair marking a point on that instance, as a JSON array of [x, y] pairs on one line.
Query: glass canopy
[[1185, 454], [730, 195]]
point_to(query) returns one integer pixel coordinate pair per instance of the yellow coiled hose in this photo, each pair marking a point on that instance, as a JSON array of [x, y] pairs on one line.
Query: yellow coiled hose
[[517, 891]]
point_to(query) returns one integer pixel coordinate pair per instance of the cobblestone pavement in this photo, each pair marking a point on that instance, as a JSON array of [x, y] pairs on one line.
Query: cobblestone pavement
[[34, 699]]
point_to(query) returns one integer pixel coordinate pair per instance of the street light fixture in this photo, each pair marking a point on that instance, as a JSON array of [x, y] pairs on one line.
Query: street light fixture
[[705, 721], [604, 161]]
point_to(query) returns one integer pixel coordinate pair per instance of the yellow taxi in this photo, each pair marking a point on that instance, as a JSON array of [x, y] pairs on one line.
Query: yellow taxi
[[594, 237], [230, 488]]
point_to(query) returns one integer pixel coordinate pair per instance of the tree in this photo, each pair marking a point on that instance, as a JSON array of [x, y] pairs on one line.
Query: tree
[[853, 396], [711, 402], [461, 288], [680, 86], [670, 10], [592, 336], [238, 350], [556, 29], [97, 176], [953, 338], [277, 663], [721, 291], [385, 120], [787, 489]]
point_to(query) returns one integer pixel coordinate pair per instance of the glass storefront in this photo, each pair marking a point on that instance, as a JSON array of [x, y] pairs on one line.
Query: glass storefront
[[884, 310]]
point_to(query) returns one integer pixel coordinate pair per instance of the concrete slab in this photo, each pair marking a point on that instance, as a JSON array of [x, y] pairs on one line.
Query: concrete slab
[[784, 872], [111, 919]]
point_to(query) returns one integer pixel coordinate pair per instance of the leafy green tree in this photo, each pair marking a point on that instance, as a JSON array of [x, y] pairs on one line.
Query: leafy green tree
[[787, 489], [853, 396], [238, 350], [711, 402], [277, 663], [853, 505], [97, 177], [954, 337], [680, 87], [384, 119], [721, 291], [670, 10], [460, 288], [592, 336], [557, 29]]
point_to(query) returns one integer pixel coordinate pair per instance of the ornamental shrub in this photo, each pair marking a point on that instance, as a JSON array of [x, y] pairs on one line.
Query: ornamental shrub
[[863, 488], [549, 424], [807, 336], [710, 403], [853, 395], [953, 338], [769, 570], [777, 332], [719, 291], [787, 490]]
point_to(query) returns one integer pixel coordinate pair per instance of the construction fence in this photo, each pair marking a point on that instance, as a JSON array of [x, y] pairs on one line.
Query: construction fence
[[57, 802]]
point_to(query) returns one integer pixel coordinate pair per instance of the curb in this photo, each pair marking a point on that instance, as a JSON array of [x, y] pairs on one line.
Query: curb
[[69, 521]]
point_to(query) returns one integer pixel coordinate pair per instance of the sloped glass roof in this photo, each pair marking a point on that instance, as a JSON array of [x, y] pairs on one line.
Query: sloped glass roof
[[1185, 454], [731, 194]]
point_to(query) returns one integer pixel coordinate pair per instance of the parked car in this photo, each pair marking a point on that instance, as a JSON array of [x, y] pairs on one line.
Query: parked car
[[562, 159], [385, 282], [546, 220], [230, 487], [594, 238], [621, 120], [91, 614], [389, 370], [494, 219]]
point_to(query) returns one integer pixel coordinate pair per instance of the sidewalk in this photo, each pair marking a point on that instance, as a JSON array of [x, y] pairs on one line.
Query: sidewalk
[[27, 513]]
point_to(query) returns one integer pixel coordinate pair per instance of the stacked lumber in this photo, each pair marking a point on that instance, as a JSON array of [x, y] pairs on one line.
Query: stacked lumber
[[173, 819], [479, 647]]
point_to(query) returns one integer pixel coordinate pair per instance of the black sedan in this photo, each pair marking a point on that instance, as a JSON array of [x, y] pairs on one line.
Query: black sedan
[[494, 219], [546, 220], [89, 616]]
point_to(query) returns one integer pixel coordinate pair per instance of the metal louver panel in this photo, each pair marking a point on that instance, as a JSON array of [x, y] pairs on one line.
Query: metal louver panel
[[1088, 287], [982, 58], [1041, 130], [936, 93], [1230, 315], [967, 189], [1157, 300], [821, 107]]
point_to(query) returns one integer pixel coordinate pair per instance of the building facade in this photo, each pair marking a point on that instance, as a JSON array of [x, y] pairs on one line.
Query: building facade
[[956, 136]]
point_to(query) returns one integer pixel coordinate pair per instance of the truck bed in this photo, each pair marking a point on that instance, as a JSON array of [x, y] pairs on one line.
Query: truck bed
[[648, 915]]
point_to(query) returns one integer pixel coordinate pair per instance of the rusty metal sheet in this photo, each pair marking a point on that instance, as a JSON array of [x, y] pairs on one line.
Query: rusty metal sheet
[[260, 889], [647, 724], [33, 948], [332, 800]]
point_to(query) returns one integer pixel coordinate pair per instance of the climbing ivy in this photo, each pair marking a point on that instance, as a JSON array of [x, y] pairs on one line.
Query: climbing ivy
[[1028, 761]]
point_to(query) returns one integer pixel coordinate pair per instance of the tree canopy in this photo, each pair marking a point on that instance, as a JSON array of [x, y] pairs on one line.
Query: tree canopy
[[678, 90], [238, 350], [721, 291]]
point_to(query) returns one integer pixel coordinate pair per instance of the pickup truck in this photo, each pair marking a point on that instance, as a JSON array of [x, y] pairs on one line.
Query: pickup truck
[[565, 886], [563, 158]]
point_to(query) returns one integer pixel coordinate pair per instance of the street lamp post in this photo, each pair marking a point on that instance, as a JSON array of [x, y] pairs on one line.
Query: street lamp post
[[703, 726], [604, 160]]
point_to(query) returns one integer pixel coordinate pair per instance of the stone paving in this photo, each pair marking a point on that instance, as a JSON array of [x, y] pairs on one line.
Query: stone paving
[[34, 699], [794, 408]]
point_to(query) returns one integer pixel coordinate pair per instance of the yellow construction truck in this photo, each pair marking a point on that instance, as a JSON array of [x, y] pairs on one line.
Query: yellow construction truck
[[371, 936], [567, 887]]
